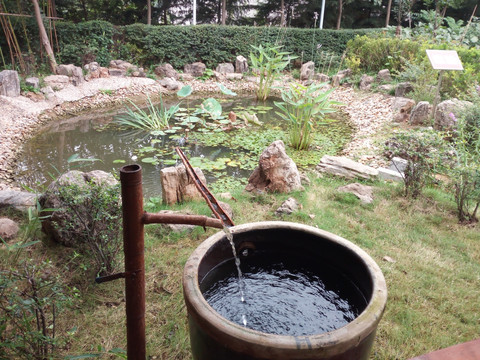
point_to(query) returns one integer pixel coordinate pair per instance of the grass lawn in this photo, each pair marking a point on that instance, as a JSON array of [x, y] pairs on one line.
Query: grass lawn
[[433, 281]]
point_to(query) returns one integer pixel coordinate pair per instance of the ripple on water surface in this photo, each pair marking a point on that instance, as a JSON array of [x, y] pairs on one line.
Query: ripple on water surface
[[283, 296]]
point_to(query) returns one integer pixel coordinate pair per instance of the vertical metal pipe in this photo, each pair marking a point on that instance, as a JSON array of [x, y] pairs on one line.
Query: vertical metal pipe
[[133, 243]]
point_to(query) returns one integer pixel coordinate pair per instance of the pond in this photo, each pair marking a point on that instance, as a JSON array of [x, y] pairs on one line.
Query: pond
[[227, 155]]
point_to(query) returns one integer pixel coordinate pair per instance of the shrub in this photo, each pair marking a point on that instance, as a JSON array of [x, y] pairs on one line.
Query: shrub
[[371, 54], [423, 152], [96, 222], [31, 297], [465, 171]]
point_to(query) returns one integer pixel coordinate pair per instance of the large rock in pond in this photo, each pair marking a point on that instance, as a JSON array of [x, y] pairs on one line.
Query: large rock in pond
[[177, 186], [276, 171], [63, 225], [342, 166], [9, 83]]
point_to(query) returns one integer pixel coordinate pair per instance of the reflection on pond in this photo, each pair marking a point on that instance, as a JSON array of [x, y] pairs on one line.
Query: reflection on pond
[[226, 156]]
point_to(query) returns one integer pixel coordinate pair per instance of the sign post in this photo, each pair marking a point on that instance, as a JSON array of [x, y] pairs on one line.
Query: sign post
[[443, 60]]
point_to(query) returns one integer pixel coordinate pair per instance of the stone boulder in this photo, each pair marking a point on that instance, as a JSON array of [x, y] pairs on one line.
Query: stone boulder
[[177, 186], [384, 76], [385, 88], [342, 166], [72, 71], [34, 82], [323, 78], [403, 88], [366, 82], [288, 207], [403, 105], [8, 229], [61, 225], [225, 68], [170, 83], [421, 113], [447, 112], [166, 71], [19, 200], [122, 68], [9, 83], [363, 192], [57, 82], [241, 64], [196, 69], [307, 71], [276, 171], [234, 76], [345, 72], [95, 71]]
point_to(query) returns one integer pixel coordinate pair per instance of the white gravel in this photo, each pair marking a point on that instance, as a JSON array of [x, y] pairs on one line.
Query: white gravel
[[21, 116]]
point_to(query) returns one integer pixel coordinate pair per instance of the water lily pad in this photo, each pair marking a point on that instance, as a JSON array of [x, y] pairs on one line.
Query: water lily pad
[[226, 90], [157, 132], [119, 161], [212, 107], [185, 91], [150, 160]]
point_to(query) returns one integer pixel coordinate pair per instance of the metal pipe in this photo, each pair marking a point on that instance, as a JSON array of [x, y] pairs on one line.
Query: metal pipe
[[200, 220], [133, 246]]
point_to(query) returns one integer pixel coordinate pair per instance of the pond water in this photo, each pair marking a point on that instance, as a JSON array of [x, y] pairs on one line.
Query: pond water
[[226, 155]]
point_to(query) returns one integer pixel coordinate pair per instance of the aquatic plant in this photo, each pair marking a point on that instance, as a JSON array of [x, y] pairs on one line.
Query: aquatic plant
[[268, 62], [303, 107], [154, 118]]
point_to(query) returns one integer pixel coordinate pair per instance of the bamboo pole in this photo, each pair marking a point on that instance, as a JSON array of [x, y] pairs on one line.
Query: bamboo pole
[[24, 15]]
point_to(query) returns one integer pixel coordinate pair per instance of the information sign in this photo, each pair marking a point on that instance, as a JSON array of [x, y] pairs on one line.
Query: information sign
[[444, 59]]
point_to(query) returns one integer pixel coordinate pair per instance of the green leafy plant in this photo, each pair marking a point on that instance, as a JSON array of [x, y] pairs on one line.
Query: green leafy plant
[[96, 222], [31, 297], [423, 151], [465, 170], [268, 62], [304, 107], [154, 118]]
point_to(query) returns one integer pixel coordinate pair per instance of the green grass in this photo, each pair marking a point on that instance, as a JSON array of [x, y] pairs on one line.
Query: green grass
[[433, 283]]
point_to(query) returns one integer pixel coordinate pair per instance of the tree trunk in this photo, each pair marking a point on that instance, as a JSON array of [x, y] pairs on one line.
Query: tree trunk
[[389, 9], [149, 12], [224, 11], [44, 37], [398, 30], [282, 13], [340, 10], [84, 9]]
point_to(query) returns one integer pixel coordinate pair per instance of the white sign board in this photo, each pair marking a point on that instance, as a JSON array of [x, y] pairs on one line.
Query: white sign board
[[444, 59]]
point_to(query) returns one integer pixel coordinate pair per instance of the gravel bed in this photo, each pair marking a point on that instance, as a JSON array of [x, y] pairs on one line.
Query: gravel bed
[[20, 117]]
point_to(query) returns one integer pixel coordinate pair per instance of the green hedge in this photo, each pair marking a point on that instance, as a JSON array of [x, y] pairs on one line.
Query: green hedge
[[178, 45]]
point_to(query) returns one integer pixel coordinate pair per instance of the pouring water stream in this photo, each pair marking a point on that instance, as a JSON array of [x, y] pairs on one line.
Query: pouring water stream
[[241, 284]]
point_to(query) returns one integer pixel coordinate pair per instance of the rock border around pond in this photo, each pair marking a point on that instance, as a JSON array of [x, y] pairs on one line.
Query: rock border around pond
[[22, 116]]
